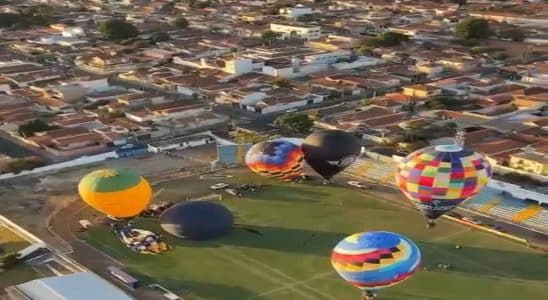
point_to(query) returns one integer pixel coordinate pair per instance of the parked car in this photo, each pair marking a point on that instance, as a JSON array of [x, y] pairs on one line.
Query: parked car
[[219, 186], [233, 192], [356, 184]]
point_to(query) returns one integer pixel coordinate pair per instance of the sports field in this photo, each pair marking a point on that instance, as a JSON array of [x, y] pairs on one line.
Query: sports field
[[291, 229]]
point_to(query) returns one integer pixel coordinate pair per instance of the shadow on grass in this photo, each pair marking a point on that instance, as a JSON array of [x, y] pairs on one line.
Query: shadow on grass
[[486, 262], [275, 238], [188, 289]]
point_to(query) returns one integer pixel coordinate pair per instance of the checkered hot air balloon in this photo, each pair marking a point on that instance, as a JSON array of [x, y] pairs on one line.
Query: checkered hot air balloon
[[116, 192], [375, 260], [280, 159], [438, 178]]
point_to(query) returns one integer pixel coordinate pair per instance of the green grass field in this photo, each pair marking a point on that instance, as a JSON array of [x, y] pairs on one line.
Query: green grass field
[[9, 242], [299, 224]]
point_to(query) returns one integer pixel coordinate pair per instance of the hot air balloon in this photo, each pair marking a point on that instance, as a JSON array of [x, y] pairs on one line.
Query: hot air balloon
[[438, 178], [119, 193], [197, 220], [331, 151], [375, 260], [279, 159]]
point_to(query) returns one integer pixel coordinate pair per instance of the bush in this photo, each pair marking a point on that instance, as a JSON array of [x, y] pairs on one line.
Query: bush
[[388, 39]]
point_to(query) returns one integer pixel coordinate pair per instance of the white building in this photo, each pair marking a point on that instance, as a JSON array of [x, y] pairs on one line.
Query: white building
[[306, 32], [78, 286], [295, 12]]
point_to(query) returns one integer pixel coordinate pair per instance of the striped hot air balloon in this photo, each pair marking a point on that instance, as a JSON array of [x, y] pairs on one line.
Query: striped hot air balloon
[[280, 159], [438, 178], [119, 193], [375, 260]]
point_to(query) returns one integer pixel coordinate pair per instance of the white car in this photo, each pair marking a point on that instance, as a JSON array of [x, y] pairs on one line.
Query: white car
[[219, 186], [356, 184]]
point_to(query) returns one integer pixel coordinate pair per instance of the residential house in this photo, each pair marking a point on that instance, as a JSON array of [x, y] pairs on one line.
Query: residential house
[[69, 142], [530, 161], [165, 111], [421, 91], [295, 12], [297, 30]]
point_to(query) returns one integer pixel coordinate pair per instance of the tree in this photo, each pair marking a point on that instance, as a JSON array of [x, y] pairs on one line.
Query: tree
[[281, 82], [28, 129], [269, 36], [245, 137], [299, 123], [514, 34], [9, 19], [9, 260], [159, 37], [460, 2], [306, 18], [388, 39], [181, 22], [118, 30], [472, 28]]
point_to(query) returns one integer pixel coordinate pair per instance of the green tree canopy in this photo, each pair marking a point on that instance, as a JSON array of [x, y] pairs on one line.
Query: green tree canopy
[[460, 2], [307, 18], [28, 129], [181, 22], [388, 39], [472, 28], [159, 37], [9, 260], [295, 122], [118, 30], [269, 37]]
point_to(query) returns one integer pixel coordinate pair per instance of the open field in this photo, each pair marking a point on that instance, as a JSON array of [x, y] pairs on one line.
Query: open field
[[291, 229], [9, 242]]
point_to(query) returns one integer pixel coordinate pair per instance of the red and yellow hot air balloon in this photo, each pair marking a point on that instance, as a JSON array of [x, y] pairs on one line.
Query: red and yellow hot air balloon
[[119, 193]]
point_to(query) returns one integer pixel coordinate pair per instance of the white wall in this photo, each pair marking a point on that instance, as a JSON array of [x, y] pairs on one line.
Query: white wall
[[84, 160]]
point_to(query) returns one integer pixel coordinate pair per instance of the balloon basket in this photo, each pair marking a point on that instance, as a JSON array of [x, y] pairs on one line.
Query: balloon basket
[[367, 295]]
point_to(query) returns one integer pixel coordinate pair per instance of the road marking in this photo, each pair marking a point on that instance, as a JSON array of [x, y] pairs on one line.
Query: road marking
[[278, 272], [292, 285]]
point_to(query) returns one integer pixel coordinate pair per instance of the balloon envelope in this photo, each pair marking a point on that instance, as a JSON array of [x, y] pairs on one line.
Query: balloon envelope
[[375, 260], [197, 220], [280, 159], [331, 151], [296, 141], [438, 178], [119, 193]]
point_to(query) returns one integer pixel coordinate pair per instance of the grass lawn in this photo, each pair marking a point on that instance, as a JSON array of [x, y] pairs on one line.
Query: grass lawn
[[299, 224], [9, 242]]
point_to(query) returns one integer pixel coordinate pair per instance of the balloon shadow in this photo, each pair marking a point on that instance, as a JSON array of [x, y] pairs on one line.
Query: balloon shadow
[[280, 239], [485, 261]]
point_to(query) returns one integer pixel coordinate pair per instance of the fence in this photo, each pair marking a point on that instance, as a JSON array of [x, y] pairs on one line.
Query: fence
[[84, 160]]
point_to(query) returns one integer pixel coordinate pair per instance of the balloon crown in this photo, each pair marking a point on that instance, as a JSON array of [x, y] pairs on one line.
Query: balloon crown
[[108, 173]]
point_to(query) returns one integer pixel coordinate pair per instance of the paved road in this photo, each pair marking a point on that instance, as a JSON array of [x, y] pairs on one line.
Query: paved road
[[65, 224]]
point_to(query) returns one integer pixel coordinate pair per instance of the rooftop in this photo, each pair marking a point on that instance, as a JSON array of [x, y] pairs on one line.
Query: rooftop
[[78, 286]]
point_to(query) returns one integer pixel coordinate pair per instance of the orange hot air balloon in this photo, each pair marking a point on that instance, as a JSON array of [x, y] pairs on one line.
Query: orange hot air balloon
[[119, 193]]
